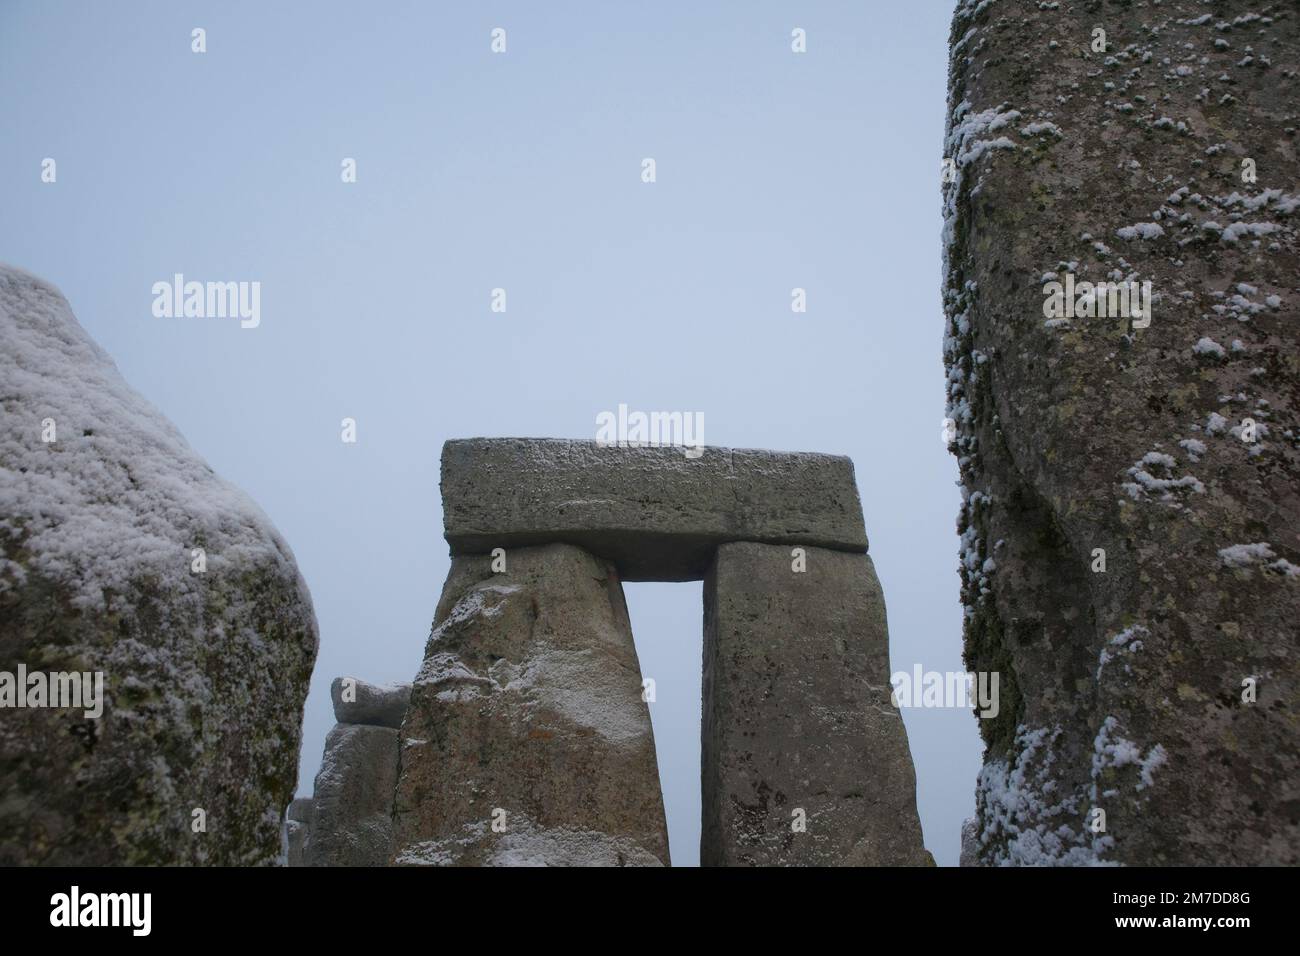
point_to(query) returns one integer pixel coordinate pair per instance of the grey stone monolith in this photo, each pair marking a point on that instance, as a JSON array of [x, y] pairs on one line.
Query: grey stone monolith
[[1130, 559], [970, 833], [805, 759], [125, 560], [297, 823], [527, 741], [352, 806]]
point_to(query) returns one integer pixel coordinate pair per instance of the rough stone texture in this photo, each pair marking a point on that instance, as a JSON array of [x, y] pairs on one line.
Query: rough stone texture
[[970, 833], [797, 715], [529, 700], [1122, 690], [352, 806], [373, 705], [205, 674], [348, 821], [654, 512], [297, 823]]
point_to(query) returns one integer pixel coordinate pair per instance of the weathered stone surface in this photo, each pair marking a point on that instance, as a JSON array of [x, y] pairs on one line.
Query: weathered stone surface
[[297, 823], [1122, 689], [300, 810], [797, 716], [204, 674], [655, 513], [970, 834], [529, 702], [372, 704], [352, 806]]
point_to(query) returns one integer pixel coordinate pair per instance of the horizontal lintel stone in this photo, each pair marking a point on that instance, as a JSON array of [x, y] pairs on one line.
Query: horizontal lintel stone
[[658, 514]]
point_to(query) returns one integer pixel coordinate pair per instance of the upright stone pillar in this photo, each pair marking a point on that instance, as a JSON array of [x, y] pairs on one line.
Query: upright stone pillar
[[1129, 557], [351, 814], [125, 561], [297, 823], [805, 760], [527, 741]]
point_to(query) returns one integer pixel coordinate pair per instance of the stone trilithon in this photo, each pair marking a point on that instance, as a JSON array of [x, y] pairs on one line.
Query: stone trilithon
[[527, 739]]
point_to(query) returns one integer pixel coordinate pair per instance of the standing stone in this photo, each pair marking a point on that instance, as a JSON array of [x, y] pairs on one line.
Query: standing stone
[[805, 760], [352, 807], [297, 823], [1130, 559], [349, 819], [970, 833], [527, 741], [123, 555]]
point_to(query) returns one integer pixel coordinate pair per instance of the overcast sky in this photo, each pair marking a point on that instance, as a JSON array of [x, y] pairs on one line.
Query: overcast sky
[[520, 171]]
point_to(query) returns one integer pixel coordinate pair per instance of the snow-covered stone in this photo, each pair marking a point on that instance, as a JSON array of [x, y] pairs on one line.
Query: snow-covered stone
[[123, 553], [297, 823], [1151, 562], [352, 806], [359, 702], [527, 740]]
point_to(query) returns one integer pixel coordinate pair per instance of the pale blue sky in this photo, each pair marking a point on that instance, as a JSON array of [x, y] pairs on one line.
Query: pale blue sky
[[521, 171]]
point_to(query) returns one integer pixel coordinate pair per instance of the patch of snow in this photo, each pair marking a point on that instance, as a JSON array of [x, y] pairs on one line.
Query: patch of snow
[[1141, 230], [1236, 230], [119, 496], [1244, 555], [1022, 824], [1145, 483], [1207, 346], [1127, 641], [1036, 129], [1111, 750]]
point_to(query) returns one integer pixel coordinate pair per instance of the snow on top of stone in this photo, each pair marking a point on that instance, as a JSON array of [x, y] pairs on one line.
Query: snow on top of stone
[[119, 496], [1141, 230], [1207, 346], [1236, 230], [1127, 641], [1247, 555], [1283, 202], [1145, 483], [525, 843], [971, 8], [572, 683], [1026, 819], [1112, 750], [963, 143], [1241, 555], [1035, 129]]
